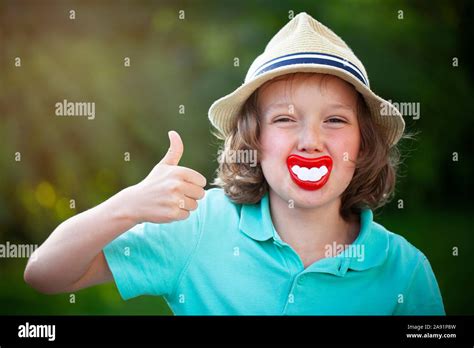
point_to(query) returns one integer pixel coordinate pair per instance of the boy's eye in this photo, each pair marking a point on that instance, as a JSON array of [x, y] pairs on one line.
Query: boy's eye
[[336, 120], [283, 119]]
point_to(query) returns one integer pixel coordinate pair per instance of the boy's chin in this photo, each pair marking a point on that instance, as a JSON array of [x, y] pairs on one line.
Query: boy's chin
[[310, 200], [306, 199]]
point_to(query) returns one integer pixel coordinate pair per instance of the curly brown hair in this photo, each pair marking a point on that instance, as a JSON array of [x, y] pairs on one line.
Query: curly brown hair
[[374, 178]]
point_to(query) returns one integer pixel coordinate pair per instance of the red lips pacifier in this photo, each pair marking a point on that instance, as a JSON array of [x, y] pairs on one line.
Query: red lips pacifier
[[309, 173]]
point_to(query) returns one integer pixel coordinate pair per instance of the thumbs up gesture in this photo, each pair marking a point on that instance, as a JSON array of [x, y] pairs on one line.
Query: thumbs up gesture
[[170, 191], [173, 156]]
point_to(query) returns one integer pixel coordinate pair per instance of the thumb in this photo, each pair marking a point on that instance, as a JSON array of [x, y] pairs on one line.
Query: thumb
[[175, 150]]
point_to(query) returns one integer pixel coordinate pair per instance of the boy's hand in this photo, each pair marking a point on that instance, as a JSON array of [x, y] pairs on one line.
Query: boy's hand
[[169, 192]]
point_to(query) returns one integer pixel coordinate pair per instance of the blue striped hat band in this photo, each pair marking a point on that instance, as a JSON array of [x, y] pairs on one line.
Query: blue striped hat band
[[312, 58]]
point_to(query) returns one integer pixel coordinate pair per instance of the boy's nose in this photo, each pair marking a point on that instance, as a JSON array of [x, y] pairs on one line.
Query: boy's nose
[[310, 141]]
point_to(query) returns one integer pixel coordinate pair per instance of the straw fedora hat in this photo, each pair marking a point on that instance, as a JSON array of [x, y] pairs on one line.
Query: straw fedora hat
[[306, 45]]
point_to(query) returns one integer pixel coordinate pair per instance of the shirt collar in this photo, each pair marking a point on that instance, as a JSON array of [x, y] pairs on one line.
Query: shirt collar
[[256, 221], [372, 241]]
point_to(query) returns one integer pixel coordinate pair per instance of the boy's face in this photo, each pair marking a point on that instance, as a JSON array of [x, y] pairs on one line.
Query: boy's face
[[314, 117]]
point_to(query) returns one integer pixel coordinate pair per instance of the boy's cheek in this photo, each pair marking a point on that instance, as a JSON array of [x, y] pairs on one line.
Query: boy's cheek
[[345, 151], [344, 162], [273, 147]]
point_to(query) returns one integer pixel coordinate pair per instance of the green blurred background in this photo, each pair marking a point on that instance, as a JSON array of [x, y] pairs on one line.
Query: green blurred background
[[190, 62]]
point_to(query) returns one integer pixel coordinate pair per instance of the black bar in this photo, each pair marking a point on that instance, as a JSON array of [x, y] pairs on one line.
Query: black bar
[[137, 330]]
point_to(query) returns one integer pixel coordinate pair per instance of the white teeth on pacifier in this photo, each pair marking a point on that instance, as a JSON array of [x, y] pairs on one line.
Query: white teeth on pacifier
[[307, 174]]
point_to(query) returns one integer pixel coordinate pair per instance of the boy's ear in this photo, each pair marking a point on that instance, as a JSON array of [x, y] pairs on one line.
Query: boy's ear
[[360, 153]]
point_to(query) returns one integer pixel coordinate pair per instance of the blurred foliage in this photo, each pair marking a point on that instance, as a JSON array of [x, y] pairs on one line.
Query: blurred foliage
[[190, 62]]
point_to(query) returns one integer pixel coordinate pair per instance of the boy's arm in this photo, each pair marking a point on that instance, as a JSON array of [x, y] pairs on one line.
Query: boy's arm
[[72, 258], [423, 296]]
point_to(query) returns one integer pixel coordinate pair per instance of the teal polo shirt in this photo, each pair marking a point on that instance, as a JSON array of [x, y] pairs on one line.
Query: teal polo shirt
[[228, 259]]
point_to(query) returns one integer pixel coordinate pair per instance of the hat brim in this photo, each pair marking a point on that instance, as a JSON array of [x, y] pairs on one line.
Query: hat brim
[[224, 110]]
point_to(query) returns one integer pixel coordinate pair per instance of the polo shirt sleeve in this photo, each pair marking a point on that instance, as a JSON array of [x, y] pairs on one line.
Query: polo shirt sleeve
[[422, 296], [149, 258]]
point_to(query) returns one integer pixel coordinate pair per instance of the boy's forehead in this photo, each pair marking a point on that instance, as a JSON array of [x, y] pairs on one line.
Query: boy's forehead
[[285, 89]]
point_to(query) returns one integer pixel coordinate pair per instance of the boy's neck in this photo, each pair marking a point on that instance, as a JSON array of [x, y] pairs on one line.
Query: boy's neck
[[309, 231]]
